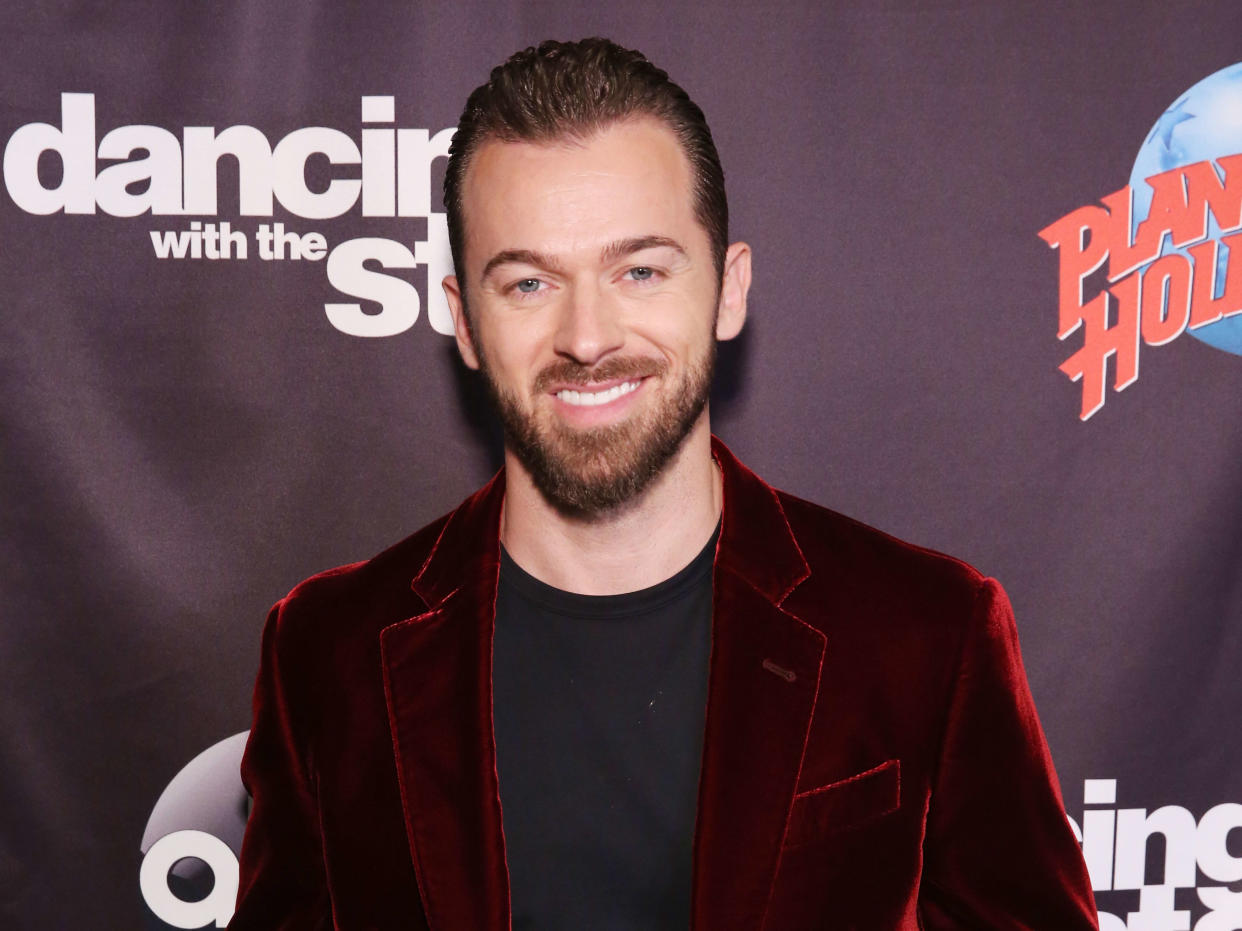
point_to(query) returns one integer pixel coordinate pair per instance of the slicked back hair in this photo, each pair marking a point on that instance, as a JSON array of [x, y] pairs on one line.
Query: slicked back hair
[[572, 90]]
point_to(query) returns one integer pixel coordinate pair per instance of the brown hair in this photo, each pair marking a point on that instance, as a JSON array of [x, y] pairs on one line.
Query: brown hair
[[571, 90]]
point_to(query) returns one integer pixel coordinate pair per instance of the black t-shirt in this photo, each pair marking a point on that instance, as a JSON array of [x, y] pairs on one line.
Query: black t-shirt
[[599, 709]]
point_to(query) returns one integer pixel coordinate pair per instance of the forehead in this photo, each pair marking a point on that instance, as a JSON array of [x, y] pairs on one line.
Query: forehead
[[629, 179]]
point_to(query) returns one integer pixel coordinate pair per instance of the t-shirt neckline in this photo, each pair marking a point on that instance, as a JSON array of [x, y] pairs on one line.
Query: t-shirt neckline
[[619, 606]]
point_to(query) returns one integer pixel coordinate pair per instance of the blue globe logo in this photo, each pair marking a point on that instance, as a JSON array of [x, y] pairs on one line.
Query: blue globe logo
[[1204, 123]]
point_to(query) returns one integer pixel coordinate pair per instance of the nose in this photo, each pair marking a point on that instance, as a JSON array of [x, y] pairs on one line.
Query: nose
[[588, 327]]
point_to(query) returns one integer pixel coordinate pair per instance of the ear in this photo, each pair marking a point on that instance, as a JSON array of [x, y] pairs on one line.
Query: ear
[[734, 286], [461, 326]]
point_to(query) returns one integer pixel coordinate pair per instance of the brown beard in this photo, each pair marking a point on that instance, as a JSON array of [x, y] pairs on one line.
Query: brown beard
[[585, 473]]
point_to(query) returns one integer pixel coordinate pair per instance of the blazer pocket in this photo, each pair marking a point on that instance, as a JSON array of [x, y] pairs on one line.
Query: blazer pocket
[[848, 803]]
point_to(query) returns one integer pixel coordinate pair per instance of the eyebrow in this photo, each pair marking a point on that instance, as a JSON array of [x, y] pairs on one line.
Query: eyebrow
[[520, 256], [624, 247], [610, 253]]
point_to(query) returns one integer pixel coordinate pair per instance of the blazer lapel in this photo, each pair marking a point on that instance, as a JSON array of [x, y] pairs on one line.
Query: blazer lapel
[[438, 685], [765, 669]]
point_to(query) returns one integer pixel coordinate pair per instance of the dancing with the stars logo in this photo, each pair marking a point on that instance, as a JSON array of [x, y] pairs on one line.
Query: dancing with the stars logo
[[1156, 253]]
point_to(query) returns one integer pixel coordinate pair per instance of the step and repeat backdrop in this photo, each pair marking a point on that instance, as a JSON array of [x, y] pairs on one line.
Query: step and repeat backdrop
[[996, 313]]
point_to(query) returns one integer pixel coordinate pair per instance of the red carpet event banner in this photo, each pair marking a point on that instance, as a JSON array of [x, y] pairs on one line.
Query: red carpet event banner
[[995, 313]]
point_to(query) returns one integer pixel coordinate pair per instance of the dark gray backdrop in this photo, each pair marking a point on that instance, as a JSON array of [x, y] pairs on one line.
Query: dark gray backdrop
[[182, 441]]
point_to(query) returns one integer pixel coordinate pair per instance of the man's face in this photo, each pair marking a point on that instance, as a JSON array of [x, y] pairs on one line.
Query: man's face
[[594, 306]]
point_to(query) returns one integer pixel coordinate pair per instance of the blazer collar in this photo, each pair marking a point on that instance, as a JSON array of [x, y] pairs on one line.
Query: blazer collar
[[756, 542], [763, 681], [467, 552]]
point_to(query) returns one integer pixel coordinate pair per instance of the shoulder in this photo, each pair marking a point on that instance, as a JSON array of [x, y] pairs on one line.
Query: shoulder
[[875, 573], [824, 534], [899, 619], [359, 597]]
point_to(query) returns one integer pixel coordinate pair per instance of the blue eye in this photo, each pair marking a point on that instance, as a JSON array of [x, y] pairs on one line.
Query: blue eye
[[642, 273], [528, 285]]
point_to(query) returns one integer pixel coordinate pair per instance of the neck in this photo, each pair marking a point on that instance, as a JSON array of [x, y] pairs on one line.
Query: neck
[[639, 545]]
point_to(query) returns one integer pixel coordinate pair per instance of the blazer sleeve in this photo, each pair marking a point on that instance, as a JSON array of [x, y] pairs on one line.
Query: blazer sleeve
[[282, 883], [999, 852]]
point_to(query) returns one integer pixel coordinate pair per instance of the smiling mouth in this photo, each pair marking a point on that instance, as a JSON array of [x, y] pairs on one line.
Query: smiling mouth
[[596, 398]]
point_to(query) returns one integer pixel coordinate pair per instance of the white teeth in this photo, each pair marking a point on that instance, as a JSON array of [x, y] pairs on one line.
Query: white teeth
[[593, 398]]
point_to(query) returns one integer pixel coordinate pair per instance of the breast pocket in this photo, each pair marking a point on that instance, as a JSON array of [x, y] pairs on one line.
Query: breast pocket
[[848, 803]]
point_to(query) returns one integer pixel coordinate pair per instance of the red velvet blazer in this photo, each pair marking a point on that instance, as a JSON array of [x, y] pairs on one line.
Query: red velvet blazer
[[872, 758]]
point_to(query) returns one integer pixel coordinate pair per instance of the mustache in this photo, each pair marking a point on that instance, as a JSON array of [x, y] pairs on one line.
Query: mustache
[[571, 372]]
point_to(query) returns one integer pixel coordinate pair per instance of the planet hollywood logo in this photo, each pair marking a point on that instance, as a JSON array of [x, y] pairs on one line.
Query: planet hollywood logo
[[1157, 251]]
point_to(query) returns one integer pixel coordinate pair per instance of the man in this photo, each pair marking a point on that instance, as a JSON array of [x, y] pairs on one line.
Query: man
[[627, 684]]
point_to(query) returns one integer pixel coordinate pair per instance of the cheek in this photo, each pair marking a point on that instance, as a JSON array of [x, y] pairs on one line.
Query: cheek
[[516, 372], [507, 346], [680, 340]]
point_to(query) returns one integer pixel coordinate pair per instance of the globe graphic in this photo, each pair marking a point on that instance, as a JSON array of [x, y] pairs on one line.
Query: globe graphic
[[1204, 123]]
